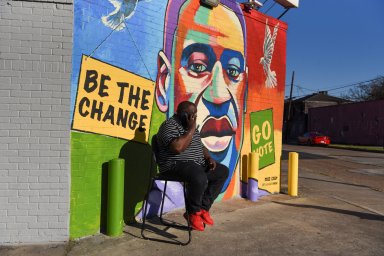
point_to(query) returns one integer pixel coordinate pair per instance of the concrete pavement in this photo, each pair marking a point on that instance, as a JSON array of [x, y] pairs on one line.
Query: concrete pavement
[[330, 217]]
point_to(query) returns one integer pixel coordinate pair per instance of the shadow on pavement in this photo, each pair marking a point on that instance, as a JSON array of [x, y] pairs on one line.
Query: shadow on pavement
[[303, 155], [337, 182], [160, 232], [361, 215]]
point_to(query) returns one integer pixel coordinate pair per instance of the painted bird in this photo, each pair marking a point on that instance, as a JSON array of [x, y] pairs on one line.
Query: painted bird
[[269, 45], [124, 9]]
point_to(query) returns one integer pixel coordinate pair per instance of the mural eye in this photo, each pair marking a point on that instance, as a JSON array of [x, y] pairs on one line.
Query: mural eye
[[233, 71], [198, 68]]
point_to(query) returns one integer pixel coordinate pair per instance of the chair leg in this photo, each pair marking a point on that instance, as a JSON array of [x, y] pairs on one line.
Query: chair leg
[[161, 213], [162, 203], [173, 225], [145, 208], [186, 210]]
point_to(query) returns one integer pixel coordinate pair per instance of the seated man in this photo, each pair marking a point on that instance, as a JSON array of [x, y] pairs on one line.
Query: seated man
[[182, 155]]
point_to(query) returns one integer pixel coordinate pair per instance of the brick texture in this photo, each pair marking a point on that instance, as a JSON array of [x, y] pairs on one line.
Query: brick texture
[[35, 53]]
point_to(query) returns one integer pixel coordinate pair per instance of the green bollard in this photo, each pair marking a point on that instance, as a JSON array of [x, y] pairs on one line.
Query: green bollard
[[115, 200]]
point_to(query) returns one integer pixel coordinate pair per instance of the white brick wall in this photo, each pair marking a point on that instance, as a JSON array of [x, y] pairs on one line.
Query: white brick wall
[[35, 67]]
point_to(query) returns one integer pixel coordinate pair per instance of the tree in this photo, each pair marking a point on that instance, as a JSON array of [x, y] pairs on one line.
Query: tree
[[371, 90]]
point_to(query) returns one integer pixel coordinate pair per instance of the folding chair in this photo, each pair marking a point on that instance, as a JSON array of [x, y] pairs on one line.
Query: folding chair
[[162, 177]]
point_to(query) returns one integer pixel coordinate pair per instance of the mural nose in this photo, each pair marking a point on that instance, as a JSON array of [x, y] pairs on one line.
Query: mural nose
[[217, 92]]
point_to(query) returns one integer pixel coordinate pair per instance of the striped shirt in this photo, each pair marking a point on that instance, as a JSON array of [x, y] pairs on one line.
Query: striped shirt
[[169, 130]]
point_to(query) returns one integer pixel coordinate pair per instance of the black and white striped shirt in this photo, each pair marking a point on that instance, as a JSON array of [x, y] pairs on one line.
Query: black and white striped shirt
[[169, 130]]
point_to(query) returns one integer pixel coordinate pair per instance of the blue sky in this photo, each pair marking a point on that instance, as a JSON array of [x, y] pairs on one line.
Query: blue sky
[[332, 43]]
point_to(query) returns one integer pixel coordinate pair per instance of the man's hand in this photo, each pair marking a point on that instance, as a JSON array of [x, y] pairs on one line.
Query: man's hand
[[191, 122], [211, 164], [208, 159], [188, 121]]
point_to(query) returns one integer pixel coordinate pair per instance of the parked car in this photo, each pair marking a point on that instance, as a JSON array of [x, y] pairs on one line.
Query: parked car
[[314, 138]]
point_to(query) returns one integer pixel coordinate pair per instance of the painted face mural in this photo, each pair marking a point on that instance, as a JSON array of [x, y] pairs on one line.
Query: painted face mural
[[203, 61], [127, 53]]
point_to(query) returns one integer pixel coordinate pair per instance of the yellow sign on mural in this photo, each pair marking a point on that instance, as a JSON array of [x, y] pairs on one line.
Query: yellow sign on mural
[[112, 101]]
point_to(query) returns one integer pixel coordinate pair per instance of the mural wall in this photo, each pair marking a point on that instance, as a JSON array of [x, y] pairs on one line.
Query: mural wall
[[134, 61], [266, 56]]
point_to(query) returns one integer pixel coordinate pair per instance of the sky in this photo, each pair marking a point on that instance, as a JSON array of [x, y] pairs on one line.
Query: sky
[[332, 43]]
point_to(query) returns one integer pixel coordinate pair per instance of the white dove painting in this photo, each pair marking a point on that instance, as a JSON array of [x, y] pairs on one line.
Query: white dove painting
[[266, 60], [124, 9]]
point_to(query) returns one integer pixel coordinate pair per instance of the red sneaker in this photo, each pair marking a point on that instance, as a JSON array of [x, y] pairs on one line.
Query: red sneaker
[[195, 221], [206, 217]]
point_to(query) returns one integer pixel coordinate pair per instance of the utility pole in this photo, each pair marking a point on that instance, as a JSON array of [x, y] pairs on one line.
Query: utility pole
[[287, 130]]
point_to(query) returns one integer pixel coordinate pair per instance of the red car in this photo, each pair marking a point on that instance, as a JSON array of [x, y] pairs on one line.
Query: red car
[[314, 138]]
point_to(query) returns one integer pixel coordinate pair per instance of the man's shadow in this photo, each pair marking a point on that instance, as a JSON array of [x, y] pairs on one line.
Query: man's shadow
[[138, 170]]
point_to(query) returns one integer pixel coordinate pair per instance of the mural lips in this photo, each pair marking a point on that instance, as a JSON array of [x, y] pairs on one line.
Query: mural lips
[[216, 133]]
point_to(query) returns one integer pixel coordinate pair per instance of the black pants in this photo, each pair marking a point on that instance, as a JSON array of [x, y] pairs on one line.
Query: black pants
[[203, 185]]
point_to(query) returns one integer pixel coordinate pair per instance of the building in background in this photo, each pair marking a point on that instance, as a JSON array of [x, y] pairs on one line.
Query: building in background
[[358, 123], [296, 122]]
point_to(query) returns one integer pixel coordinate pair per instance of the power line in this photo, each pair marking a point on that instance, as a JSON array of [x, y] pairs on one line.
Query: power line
[[337, 88], [270, 8], [353, 84], [303, 88]]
